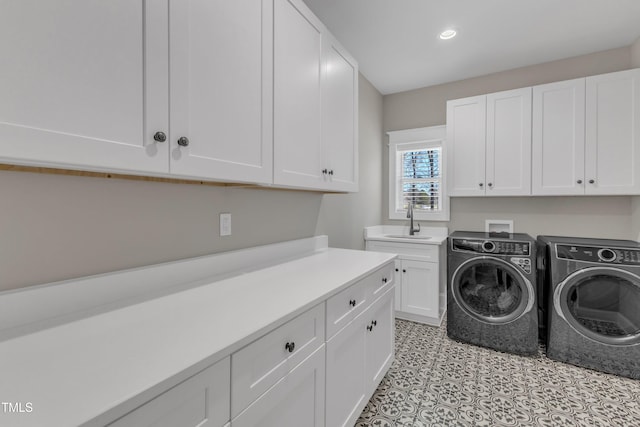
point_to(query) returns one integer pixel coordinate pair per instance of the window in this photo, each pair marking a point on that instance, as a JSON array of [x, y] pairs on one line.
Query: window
[[416, 174]]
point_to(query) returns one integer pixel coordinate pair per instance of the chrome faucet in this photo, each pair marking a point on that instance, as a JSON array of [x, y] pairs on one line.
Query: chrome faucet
[[412, 229]]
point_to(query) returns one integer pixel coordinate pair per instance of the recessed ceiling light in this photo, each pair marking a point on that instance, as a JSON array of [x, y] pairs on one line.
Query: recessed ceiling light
[[448, 34]]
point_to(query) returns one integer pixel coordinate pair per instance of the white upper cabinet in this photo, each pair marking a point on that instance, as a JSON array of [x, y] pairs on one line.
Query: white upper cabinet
[[558, 138], [489, 144], [508, 163], [612, 147], [339, 116], [315, 104], [297, 106], [221, 91], [180, 89], [586, 135], [84, 84], [466, 142]]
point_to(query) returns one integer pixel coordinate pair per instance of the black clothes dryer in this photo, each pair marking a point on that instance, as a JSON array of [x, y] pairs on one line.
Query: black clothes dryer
[[592, 294], [491, 300]]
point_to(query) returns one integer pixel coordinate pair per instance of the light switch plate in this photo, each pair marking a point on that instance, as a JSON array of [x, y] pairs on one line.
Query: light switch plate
[[225, 224]]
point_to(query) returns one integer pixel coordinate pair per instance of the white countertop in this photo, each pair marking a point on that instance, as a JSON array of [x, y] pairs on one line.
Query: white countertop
[[391, 233], [112, 362]]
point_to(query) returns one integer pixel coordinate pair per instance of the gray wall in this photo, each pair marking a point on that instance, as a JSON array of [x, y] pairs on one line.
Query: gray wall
[[343, 216], [611, 217], [635, 54], [55, 227]]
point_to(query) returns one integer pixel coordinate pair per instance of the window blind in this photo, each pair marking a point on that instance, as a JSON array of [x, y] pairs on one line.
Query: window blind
[[420, 179]]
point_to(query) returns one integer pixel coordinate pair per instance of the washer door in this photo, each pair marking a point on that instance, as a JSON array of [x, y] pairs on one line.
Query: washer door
[[491, 290], [601, 303]]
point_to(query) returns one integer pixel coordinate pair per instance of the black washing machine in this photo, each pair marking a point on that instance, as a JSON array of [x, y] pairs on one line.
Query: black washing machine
[[491, 299], [592, 303]]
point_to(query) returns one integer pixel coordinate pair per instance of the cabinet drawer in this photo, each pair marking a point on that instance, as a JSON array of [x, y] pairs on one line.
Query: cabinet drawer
[[257, 367], [346, 305], [202, 400], [295, 400], [380, 281], [416, 251]]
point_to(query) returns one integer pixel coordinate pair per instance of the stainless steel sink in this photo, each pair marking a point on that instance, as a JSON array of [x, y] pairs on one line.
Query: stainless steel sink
[[407, 236]]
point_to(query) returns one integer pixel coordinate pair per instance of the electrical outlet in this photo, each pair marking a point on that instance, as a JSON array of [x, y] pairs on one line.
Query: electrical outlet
[[225, 224]]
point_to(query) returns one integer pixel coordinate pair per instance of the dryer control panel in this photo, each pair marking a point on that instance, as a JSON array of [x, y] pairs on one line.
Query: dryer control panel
[[496, 247], [599, 255]]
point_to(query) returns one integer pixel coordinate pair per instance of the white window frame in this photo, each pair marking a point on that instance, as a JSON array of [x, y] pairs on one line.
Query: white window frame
[[417, 139]]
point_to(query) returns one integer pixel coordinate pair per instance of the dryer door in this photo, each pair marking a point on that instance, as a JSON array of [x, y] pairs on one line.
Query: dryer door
[[492, 290], [601, 303]]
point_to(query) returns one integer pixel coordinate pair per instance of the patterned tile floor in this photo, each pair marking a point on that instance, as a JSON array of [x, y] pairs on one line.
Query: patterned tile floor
[[435, 381]]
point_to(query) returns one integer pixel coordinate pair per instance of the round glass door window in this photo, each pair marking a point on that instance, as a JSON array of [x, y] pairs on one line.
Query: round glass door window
[[492, 290], [603, 304]]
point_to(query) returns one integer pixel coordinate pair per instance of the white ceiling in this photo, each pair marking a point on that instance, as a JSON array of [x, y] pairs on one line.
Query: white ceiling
[[397, 47]]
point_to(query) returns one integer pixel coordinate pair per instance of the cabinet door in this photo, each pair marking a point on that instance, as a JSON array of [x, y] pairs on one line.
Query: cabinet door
[[613, 133], [297, 93], [296, 400], [466, 137], [420, 293], [398, 285], [558, 138], [200, 401], [508, 155], [346, 375], [379, 341], [84, 84], [221, 96], [339, 117]]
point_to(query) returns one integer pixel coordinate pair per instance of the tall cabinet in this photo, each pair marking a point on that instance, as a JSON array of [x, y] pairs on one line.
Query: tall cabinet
[[315, 103], [489, 144]]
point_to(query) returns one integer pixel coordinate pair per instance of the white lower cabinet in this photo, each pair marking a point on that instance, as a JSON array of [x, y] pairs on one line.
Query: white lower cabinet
[[379, 341], [200, 401], [346, 374], [263, 363], [357, 358], [295, 375], [295, 400], [418, 287], [420, 279]]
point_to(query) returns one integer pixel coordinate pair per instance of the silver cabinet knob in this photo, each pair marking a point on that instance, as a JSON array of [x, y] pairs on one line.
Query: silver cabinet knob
[[160, 136], [183, 141]]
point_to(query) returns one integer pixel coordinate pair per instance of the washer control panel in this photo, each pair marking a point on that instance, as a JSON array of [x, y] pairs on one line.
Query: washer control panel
[[496, 247], [523, 263], [600, 255]]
